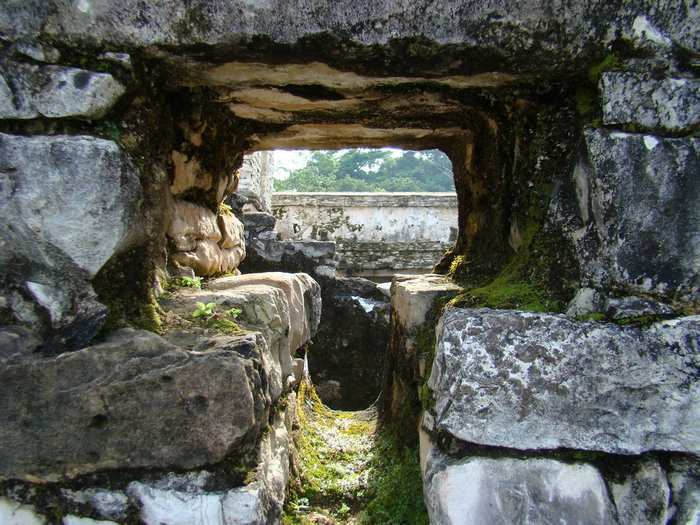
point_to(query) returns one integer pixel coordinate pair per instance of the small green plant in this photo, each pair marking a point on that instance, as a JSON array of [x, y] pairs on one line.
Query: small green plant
[[110, 130], [233, 312], [224, 209], [185, 282], [204, 309]]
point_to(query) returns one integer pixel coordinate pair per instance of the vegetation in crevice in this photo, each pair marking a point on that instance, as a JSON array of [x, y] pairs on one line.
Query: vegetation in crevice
[[349, 472], [513, 288]]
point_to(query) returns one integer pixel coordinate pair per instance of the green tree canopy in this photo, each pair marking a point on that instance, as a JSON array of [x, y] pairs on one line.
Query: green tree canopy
[[371, 170]]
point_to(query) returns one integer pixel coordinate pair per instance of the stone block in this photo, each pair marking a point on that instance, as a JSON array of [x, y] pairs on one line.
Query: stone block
[[70, 203], [30, 91], [637, 208], [183, 499], [481, 491], [528, 380], [303, 296], [642, 497], [638, 99], [134, 401], [77, 193], [13, 513], [414, 296]]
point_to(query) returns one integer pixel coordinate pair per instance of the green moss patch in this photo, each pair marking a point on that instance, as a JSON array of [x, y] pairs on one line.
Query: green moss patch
[[349, 472]]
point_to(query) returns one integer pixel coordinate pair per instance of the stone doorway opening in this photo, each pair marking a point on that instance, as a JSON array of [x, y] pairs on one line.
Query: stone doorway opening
[[298, 214]]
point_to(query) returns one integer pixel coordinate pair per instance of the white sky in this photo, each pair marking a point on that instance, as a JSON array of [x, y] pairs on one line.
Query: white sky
[[295, 159]]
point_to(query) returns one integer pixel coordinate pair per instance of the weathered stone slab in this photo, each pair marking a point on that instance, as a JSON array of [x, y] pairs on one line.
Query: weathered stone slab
[[638, 210], [684, 479], [412, 297], [183, 500], [284, 308], [70, 203], [480, 491], [237, 506], [669, 104], [303, 295], [538, 381], [133, 401], [78, 193], [31, 91], [642, 497], [581, 28]]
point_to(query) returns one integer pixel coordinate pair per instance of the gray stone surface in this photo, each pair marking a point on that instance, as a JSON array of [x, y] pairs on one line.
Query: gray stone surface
[[642, 497], [481, 491], [627, 307], [538, 381], [31, 91], [633, 222], [184, 499], [234, 507], [70, 203], [669, 104], [285, 308], [13, 513], [572, 28], [585, 301], [110, 504], [303, 295], [133, 401], [77, 193], [684, 478]]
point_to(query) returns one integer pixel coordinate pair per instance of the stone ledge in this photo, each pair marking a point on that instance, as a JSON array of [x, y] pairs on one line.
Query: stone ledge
[[528, 380]]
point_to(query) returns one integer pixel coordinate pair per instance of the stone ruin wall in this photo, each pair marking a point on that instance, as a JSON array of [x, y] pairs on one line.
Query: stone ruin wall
[[573, 134], [375, 234], [255, 180]]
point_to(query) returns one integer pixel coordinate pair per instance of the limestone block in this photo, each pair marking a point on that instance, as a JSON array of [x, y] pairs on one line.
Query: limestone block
[[183, 500], [134, 401], [642, 497], [626, 307], [264, 309], [13, 513], [110, 504], [70, 203], [231, 231], [585, 301], [284, 308], [232, 242], [192, 223], [303, 295], [684, 479], [495, 26], [414, 296], [669, 104], [538, 381], [637, 202], [77, 193], [32, 91], [481, 491], [188, 174], [237, 506]]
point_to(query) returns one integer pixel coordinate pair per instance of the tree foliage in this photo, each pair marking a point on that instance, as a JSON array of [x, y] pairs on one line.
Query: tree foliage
[[371, 170]]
